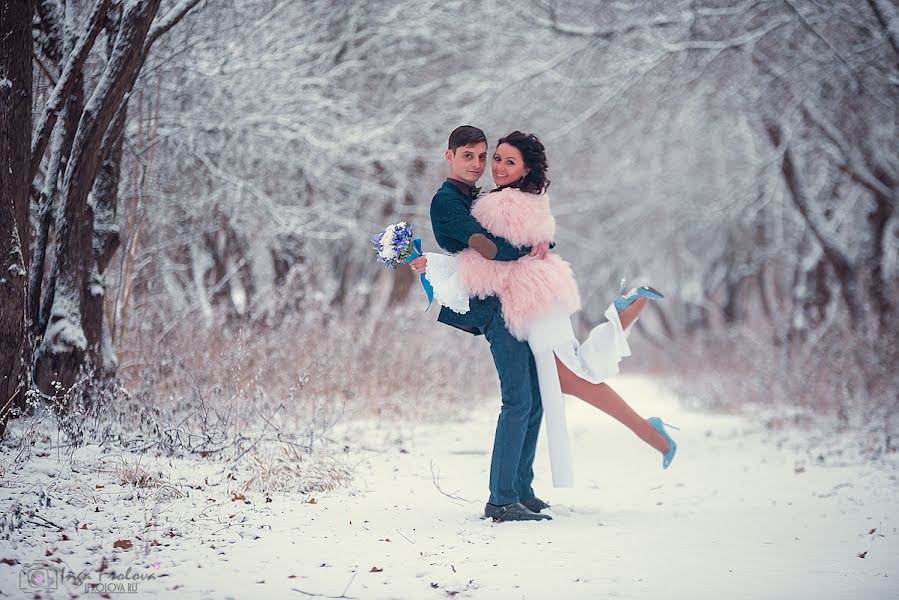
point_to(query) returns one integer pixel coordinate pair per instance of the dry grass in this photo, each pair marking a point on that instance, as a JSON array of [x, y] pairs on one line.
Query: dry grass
[[263, 401], [397, 365], [134, 474], [296, 471]]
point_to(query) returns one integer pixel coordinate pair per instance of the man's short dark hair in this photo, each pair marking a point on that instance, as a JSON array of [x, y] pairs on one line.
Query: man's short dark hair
[[465, 135]]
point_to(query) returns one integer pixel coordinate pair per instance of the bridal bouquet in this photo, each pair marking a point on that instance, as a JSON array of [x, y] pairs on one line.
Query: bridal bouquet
[[396, 245]]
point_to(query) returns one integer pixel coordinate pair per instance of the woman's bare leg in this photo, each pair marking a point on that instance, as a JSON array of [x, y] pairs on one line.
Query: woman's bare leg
[[605, 399], [630, 314]]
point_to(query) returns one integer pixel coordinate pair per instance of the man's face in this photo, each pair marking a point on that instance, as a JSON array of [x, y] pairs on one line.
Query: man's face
[[467, 163]]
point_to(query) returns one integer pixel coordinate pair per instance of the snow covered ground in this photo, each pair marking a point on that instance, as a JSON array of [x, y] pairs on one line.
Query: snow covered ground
[[744, 512]]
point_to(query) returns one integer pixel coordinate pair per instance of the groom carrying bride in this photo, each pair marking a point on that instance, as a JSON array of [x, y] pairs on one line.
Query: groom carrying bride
[[488, 284], [455, 229]]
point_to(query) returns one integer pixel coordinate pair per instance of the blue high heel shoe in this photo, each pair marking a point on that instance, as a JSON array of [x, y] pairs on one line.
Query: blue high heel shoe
[[622, 301], [659, 426]]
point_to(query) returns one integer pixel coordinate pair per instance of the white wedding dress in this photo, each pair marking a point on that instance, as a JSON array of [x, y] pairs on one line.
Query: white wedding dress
[[594, 360]]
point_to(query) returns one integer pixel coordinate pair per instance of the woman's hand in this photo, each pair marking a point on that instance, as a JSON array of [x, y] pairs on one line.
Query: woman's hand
[[419, 264], [540, 250]]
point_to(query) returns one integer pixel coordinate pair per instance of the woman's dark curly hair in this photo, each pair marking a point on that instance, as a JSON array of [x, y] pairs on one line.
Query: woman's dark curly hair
[[534, 155]]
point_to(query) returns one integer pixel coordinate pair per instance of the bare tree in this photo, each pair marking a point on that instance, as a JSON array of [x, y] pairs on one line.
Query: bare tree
[[56, 322], [15, 186]]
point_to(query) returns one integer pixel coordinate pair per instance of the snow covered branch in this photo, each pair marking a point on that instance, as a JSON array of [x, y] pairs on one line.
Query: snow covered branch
[[66, 82]]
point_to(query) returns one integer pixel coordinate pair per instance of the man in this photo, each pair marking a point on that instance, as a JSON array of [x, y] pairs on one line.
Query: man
[[514, 446]]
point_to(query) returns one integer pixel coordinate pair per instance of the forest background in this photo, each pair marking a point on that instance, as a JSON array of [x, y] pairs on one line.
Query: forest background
[[189, 189]]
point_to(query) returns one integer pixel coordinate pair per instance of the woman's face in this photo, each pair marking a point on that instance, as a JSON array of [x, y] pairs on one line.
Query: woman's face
[[508, 165]]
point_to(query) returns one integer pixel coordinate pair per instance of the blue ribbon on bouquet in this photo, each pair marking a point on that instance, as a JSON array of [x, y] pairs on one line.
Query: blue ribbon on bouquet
[[416, 253]]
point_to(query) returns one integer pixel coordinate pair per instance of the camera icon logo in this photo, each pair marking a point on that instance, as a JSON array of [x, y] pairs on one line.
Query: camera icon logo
[[38, 577]]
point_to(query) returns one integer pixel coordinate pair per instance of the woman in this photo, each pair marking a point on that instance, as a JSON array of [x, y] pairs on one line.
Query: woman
[[539, 293]]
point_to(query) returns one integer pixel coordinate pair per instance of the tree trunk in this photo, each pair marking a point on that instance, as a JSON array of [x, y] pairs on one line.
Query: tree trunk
[[71, 73], [104, 200], [886, 310], [15, 186], [63, 137], [732, 308], [845, 269], [64, 346]]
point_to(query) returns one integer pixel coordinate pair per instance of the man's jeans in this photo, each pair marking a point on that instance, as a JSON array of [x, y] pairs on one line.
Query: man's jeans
[[515, 443]]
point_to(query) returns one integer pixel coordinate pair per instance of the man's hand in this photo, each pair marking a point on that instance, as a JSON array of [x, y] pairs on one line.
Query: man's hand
[[418, 265], [540, 250]]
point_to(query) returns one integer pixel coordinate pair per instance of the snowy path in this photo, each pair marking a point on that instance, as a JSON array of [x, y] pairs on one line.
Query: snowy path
[[742, 513]]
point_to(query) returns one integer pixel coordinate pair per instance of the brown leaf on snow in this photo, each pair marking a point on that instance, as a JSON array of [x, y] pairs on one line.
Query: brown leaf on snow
[[99, 487], [376, 570], [123, 544], [235, 497], [9, 561], [84, 525], [291, 576], [799, 470], [311, 501], [863, 554]]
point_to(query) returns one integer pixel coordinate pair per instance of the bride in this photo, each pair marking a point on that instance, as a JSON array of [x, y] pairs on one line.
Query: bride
[[538, 294]]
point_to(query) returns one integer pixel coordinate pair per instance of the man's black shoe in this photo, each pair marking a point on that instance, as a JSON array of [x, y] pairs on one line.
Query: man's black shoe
[[512, 512], [535, 504]]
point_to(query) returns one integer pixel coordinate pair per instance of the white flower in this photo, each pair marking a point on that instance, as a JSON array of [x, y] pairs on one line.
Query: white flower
[[387, 252]]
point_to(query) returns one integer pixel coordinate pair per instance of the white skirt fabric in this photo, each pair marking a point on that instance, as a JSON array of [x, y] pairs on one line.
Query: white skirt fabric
[[442, 272], [594, 360], [597, 358]]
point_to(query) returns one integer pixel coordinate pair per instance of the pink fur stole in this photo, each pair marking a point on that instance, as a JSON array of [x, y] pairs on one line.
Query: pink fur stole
[[528, 286]]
